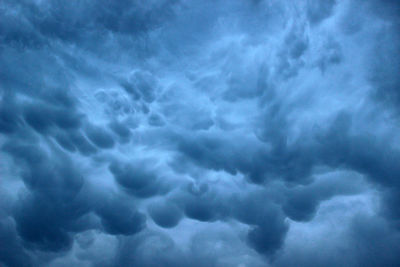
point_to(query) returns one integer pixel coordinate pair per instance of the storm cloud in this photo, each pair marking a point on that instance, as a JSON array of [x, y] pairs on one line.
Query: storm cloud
[[199, 133]]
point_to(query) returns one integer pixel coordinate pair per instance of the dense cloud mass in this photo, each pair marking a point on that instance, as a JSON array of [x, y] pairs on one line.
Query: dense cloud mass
[[199, 133]]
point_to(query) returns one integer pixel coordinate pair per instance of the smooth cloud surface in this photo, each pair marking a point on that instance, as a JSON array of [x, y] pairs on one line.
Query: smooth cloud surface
[[200, 133]]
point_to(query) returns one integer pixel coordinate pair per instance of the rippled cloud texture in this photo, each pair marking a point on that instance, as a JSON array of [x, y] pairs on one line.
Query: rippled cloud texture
[[199, 133]]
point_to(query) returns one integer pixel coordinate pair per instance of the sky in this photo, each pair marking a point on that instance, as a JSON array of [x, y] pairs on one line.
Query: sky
[[202, 133]]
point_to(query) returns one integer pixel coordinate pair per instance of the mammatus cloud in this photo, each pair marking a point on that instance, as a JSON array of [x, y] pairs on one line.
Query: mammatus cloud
[[199, 133]]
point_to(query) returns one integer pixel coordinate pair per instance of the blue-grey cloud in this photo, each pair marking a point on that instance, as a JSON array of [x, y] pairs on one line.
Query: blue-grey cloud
[[205, 133]]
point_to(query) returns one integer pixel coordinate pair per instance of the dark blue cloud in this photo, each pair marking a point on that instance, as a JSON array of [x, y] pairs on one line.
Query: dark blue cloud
[[9, 116], [318, 11], [166, 215], [121, 130], [13, 253], [137, 178], [80, 142], [100, 137], [205, 133], [120, 218]]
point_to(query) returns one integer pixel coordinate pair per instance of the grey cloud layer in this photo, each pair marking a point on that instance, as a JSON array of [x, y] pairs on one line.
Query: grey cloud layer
[[203, 133]]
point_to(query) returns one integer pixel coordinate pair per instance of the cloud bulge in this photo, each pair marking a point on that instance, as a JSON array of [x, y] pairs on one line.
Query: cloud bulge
[[203, 133]]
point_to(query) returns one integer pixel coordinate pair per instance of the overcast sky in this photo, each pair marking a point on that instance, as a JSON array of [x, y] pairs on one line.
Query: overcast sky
[[202, 133]]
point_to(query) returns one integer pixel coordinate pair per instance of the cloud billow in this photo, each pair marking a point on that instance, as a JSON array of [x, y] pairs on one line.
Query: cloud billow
[[204, 133]]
